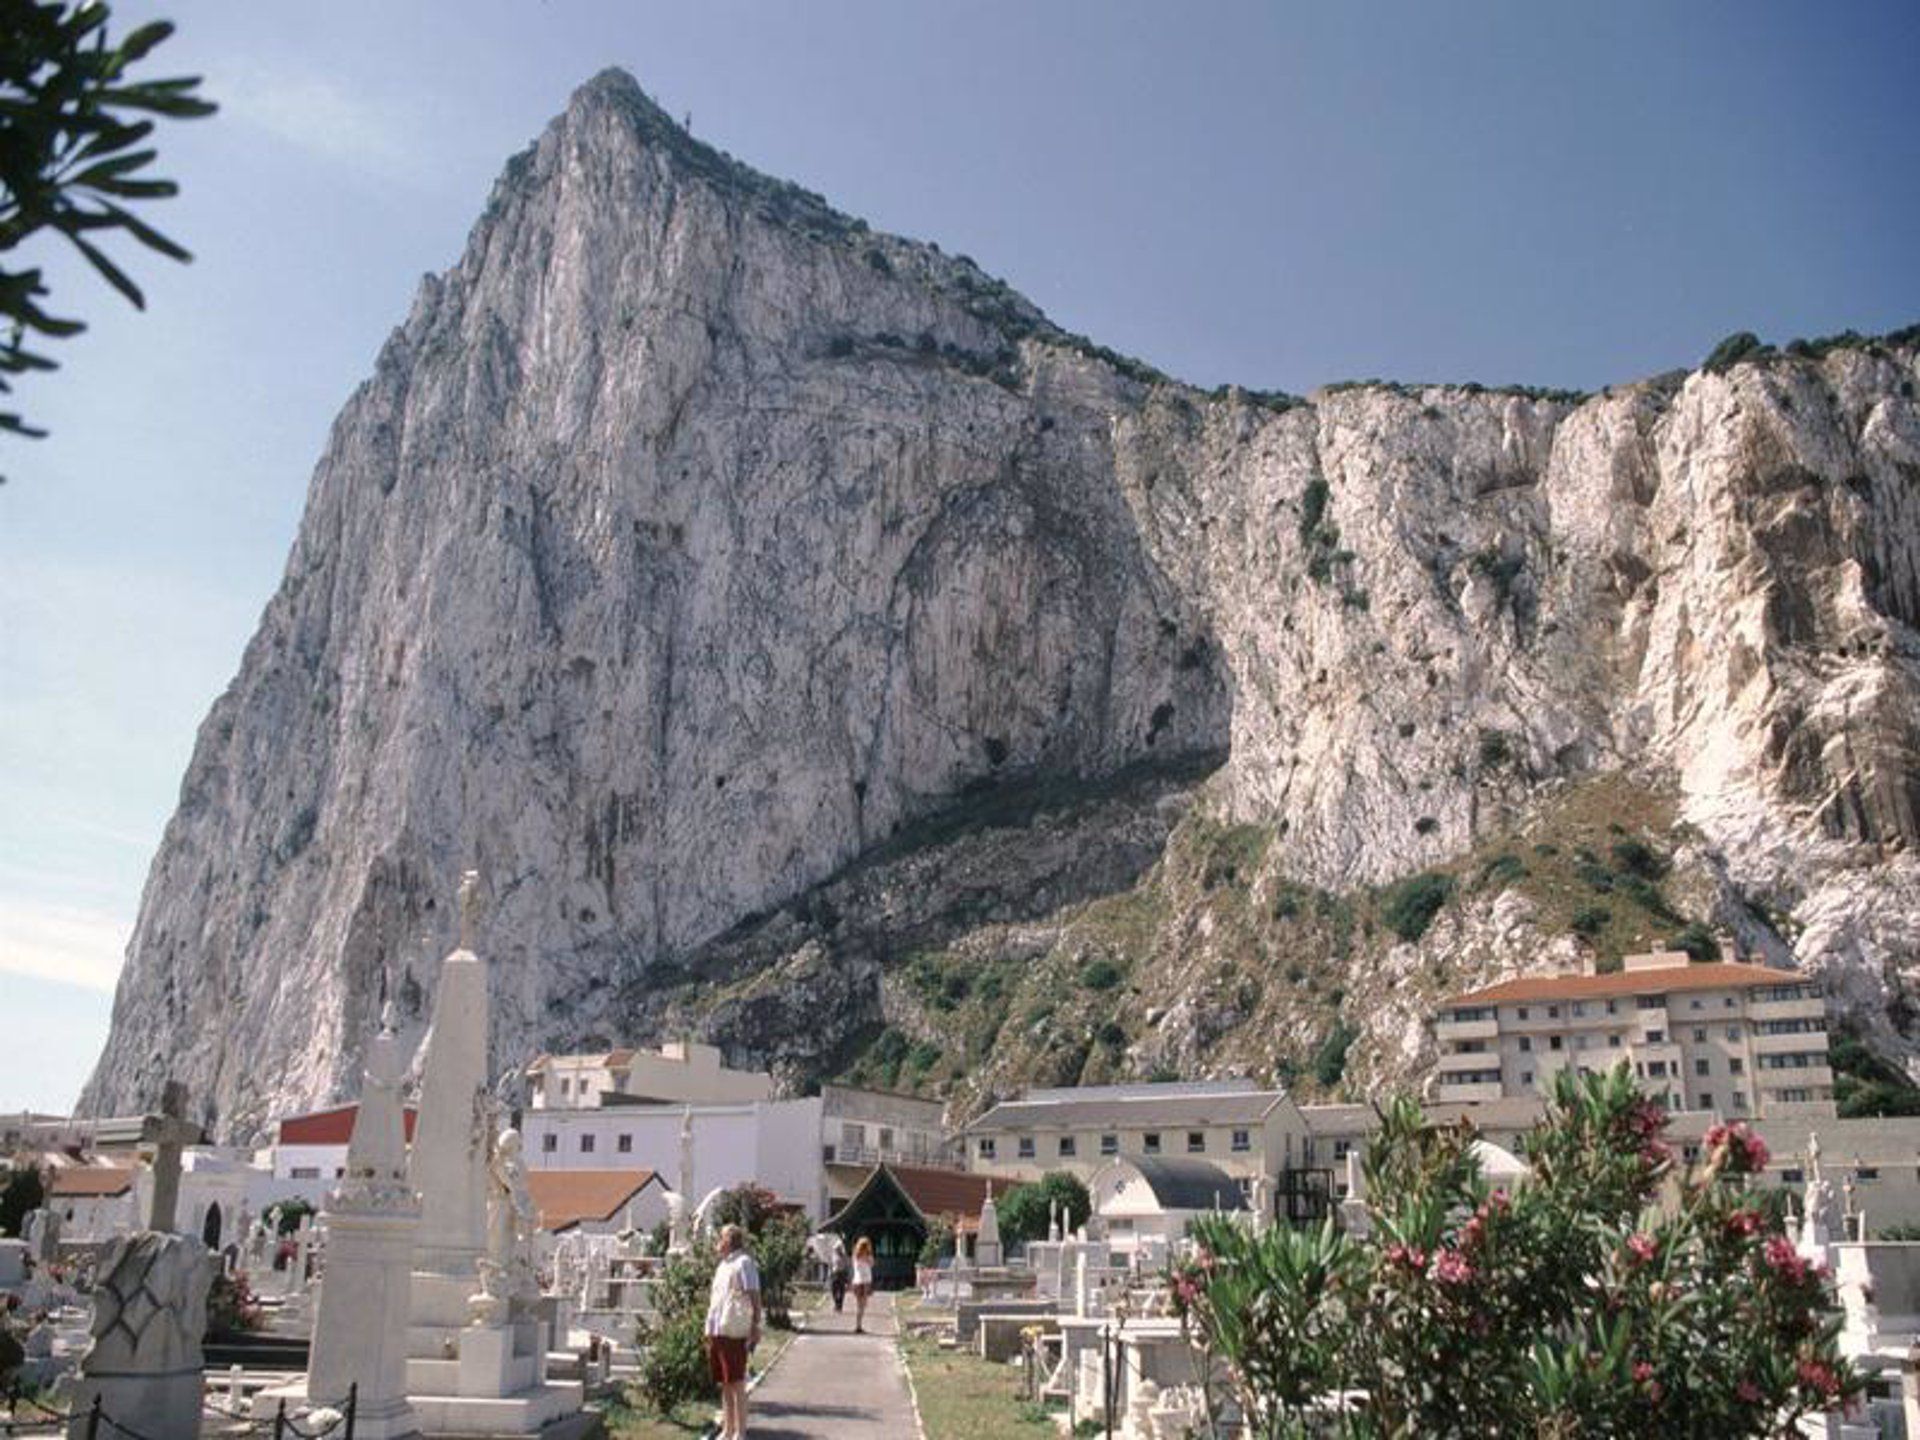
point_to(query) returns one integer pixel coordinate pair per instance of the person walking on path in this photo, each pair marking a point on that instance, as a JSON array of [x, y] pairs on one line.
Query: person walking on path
[[862, 1282], [841, 1271], [733, 1328]]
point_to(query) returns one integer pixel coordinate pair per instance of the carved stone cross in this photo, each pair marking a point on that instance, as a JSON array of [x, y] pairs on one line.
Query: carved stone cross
[[168, 1133]]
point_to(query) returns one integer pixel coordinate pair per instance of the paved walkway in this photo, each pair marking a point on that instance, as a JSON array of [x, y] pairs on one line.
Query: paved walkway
[[832, 1384]]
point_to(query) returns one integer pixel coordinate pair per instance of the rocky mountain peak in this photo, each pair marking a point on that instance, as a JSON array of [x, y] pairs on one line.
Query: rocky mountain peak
[[816, 648]]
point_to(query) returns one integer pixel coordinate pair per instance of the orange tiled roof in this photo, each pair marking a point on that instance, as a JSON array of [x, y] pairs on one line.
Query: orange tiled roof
[[565, 1198], [1720, 975], [92, 1181]]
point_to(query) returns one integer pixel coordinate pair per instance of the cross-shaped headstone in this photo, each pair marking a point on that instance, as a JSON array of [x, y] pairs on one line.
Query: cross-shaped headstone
[[169, 1133]]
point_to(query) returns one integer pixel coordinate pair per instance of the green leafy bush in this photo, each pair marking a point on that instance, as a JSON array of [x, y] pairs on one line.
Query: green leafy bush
[[1100, 975], [1330, 1060], [1409, 906], [1024, 1210], [1578, 1306], [1698, 942], [673, 1360], [1741, 345], [1590, 920], [1636, 857]]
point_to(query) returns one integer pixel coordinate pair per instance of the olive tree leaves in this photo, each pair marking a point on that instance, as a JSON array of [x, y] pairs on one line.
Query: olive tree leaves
[[73, 157]]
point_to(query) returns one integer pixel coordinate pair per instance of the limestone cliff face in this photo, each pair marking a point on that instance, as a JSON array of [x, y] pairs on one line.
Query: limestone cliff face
[[758, 601]]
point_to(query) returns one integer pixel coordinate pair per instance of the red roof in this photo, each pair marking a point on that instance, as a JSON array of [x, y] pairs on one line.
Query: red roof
[[328, 1127], [1721, 975], [91, 1181], [566, 1197], [944, 1192]]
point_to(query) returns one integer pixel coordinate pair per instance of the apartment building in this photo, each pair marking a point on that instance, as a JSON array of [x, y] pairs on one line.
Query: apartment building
[[1738, 1040], [679, 1073]]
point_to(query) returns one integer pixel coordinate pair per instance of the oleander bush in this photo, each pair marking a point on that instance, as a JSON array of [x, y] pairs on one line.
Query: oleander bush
[[1612, 1294]]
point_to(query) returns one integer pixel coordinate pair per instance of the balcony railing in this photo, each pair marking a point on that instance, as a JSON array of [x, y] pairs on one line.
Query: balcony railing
[[1808, 1009], [1466, 1030], [891, 1155]]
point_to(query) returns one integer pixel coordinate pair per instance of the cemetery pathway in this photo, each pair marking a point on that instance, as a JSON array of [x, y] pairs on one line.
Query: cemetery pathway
[[832, 1384]]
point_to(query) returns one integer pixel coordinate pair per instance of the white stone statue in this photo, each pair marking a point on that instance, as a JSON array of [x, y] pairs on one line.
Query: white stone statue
[[506, 1270], [43, 1235]]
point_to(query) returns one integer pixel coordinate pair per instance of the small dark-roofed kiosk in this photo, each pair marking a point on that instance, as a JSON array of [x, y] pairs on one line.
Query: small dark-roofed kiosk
[[894, 1208]]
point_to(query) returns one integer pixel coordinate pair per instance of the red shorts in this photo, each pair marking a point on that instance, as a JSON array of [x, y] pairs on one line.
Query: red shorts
[[727, 1359]]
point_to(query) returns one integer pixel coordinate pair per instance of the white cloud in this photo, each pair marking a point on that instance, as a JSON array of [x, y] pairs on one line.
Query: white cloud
[[323, 117], [50, 942]]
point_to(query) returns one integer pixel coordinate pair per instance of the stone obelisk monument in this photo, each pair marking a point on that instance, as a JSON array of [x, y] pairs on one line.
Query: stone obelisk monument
[[450, 1152], [360, 1332]]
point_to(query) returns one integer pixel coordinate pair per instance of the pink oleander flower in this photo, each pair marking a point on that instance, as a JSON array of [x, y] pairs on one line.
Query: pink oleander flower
[[1784, 1260], [1450, 1267], [1737, 1149], [1642, 1248], [1744, 1222], [1819, 1378], [1643, 1376], [1748, 1393]]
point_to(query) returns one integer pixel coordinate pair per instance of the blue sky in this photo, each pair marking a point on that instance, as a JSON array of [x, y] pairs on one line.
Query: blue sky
[[1273, 194]]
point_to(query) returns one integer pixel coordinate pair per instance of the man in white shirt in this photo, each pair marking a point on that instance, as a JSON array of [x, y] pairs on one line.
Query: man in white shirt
[[733, 1327]]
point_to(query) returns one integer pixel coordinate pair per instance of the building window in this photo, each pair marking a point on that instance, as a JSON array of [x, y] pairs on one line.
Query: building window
[[309, 1172], [986, 1147], [1695, 1005], [1151, 1142], [1733, 1032], [1196, 1142], [1657, 1069], [1026, 1147], [1736, 1066], [1867, 1173], [1554, 1042], [1706, 1102], [624, 1144], [886, 1137], [566, 1087], [1699, 1034], [852, 1136], [549, 1143], [1613, 1042], [1792, 1175], [1526, 1044], [1703, 1067], [1526, 1077], [1739, 1101], [1553, 1012], [1521, 1013], [1613, 1007], [1647, 1002], [586, 1144], [1067, 1146], [1242, 1142], [1579, 1007], [1109, 1144], [1690, 1153], [1656, 1037]]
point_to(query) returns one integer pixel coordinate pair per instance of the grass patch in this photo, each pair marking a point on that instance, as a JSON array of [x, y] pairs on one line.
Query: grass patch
[[626, 1421], [963, 1397]]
